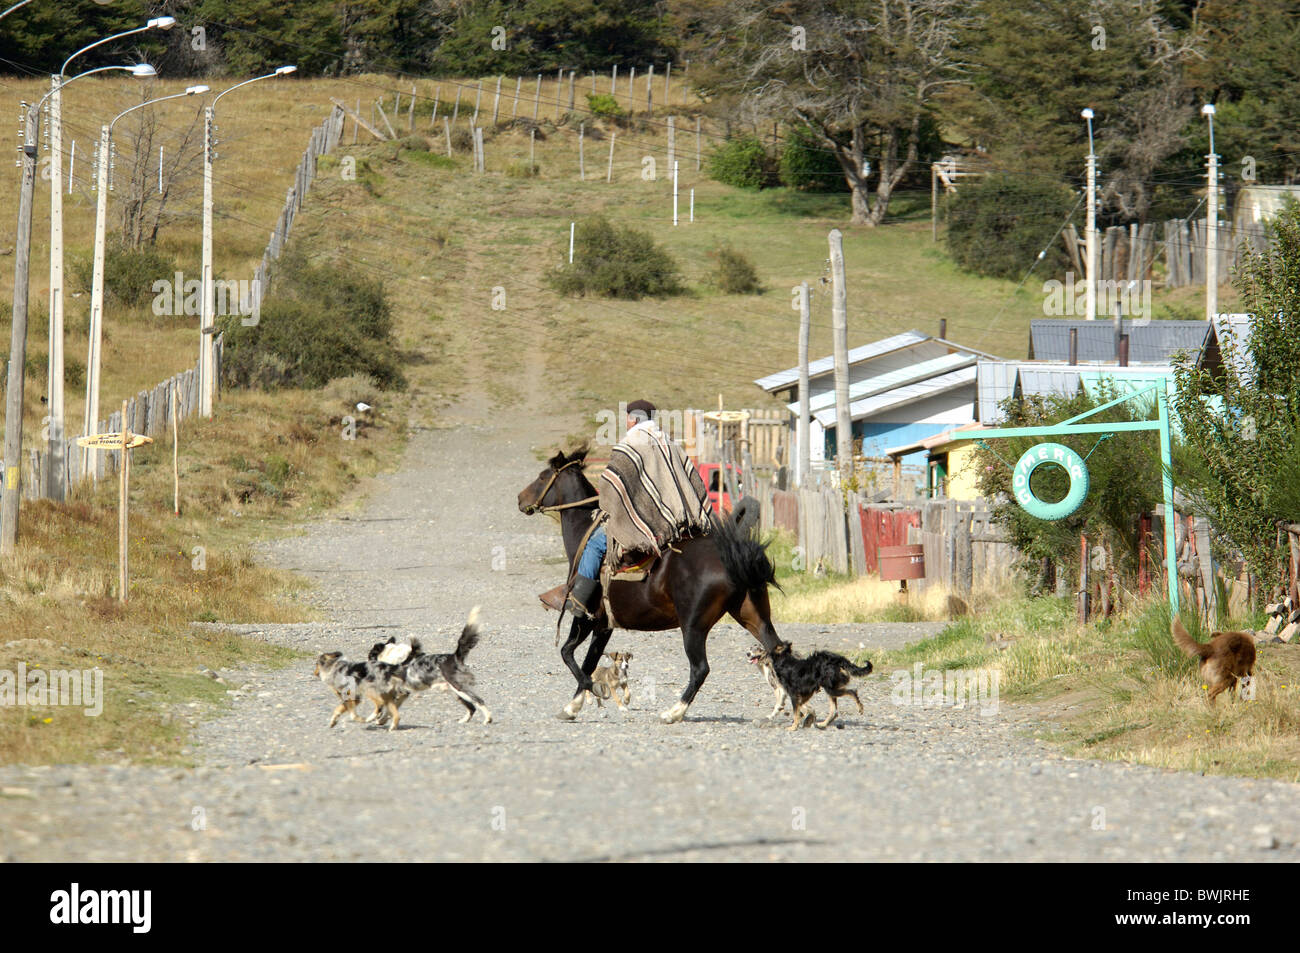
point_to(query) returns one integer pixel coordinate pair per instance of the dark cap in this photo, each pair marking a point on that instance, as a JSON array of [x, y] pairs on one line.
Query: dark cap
[[644, 406]]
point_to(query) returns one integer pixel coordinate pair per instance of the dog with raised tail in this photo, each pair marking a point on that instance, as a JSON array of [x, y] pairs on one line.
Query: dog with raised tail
[[1228, 656], [802, 678], [421, 670]]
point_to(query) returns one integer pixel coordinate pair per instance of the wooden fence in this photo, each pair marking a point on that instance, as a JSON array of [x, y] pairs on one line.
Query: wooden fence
[[1129, 252], [148, 412], [324, 138]]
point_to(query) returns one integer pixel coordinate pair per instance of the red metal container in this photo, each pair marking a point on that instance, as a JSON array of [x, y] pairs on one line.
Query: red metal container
[[902, 562]]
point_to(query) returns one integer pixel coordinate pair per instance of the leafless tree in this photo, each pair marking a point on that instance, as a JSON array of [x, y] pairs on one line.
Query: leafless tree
[[150, 201], [860, 75]]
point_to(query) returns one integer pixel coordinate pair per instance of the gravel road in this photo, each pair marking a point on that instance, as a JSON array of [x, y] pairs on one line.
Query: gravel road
[[443, 534]]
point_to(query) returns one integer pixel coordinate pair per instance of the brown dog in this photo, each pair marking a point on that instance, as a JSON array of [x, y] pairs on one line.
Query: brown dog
[[610, 681], [1227, 657]]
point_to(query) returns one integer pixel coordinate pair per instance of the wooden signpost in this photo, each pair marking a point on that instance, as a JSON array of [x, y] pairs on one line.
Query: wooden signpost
[[122, 441]]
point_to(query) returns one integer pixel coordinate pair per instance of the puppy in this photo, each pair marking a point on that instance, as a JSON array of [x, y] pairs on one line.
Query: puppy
[[610, 680], [353, 681], [758, 656], [1227, 657], [803, 677], [423, 670]]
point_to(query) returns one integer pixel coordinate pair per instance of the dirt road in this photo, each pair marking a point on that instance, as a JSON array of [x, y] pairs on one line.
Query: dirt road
[[443, 534]]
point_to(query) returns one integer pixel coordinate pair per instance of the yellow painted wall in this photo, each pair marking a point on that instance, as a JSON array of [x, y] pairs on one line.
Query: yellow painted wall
[[962, 471]]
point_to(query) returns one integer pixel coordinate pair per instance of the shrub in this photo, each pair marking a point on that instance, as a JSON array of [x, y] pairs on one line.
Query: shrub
[[810, 165], [735, 273], [605, 106], [999, 225], [523, 170], [319, 324], [616, 262], [129, 273], [743, 163]]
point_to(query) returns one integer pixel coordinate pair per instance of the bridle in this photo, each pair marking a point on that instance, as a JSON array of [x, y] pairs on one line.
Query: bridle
[[555, 474]]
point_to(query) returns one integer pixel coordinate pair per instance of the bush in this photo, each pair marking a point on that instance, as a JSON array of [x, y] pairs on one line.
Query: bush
[[616, 262], [735, 273], [1000, 224], [523, 170], [743, 163], [809, 165], [319, 324], [129, 273], [605, 106]]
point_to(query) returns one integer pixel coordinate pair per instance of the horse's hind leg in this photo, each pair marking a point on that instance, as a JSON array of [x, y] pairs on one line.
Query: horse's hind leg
[[694, 640], [578, 633], [755, 614]]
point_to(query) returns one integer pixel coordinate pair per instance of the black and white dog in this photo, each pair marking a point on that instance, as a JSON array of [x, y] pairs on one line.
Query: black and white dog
[[802, 678], [420, 670]]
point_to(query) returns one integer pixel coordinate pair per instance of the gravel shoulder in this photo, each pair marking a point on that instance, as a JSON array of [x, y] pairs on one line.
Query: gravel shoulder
[[441, 534]]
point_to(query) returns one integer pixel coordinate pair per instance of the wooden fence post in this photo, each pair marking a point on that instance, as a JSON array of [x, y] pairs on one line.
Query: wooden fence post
[[496, 102], [582, 168], [609, 171]]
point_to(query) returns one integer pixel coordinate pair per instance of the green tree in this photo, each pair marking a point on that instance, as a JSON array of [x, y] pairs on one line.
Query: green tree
[[999, 224], [1124, 481], [1241, 422], [1034, 67]]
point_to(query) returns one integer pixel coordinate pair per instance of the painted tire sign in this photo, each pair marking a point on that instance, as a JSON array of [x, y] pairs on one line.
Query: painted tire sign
[[1062, 456]]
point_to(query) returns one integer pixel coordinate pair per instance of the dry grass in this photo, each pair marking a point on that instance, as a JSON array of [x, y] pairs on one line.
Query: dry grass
[[262, 462], [1121, 690], [865, 599]]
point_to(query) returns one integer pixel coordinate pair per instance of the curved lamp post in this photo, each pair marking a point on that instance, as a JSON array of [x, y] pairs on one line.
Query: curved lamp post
[[6, 13], [207, 321], [97, 282], [10, 493], [55, 472]]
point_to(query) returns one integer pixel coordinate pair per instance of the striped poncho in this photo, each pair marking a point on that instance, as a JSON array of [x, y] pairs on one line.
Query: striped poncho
[[651, 494]]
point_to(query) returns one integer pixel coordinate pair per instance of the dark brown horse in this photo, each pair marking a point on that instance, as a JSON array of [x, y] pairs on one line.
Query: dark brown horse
[[691, 587]]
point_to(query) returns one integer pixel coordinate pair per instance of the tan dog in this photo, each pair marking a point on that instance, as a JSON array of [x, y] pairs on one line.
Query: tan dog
[[1227, 657], [609, 680]]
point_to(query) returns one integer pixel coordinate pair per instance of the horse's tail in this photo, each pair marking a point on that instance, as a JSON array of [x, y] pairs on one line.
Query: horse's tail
[[743, 557]]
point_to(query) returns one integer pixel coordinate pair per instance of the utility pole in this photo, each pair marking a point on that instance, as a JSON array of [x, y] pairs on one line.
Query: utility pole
[[13, 446], [91, 423], [1090, 234], [840, 338], [207, 319], [54, 460], [803, 430], [1211, 223]]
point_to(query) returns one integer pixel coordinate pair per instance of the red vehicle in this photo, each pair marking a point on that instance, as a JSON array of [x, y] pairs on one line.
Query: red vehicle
[[719, 498]]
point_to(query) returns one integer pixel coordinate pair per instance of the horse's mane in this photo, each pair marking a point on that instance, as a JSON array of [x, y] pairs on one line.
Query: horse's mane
[[574, 456]]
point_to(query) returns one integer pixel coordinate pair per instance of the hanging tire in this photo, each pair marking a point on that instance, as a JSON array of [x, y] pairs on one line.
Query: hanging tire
[[1062, 456]]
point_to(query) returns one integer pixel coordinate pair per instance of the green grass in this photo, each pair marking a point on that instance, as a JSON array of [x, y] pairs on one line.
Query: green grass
[[1132, 695]]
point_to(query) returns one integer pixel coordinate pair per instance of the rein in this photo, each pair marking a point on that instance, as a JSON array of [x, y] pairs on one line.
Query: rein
[[538, 508]]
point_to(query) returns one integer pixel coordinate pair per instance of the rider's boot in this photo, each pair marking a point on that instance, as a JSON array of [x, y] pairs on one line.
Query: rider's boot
[[584, 600], [554, 598]]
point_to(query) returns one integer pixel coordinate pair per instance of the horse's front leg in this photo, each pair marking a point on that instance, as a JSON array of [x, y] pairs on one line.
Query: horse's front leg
[[694, 638], [578, 632]]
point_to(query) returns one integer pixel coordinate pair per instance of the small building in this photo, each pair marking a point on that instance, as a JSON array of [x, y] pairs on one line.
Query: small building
[[950, 463], [902, 389], [1257, 204]]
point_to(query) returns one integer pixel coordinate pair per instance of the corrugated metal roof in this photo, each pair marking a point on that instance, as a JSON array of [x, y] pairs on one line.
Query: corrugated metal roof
[[1154, 342], [1047, 380], [898, 396], [825, 365], [995, 383], [891, 379]]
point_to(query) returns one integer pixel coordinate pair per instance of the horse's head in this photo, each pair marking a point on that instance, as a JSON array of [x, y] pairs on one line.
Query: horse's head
[[561, 482]]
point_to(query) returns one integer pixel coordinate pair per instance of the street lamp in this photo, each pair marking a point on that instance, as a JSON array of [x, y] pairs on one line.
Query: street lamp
[[6, 13], [10, 493], [207, 321], [97, 280], [55, 472], [1090, 233], [1211, 223]]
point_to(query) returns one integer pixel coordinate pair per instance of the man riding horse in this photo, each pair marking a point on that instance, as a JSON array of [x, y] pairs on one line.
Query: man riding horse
[[651, 496]]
